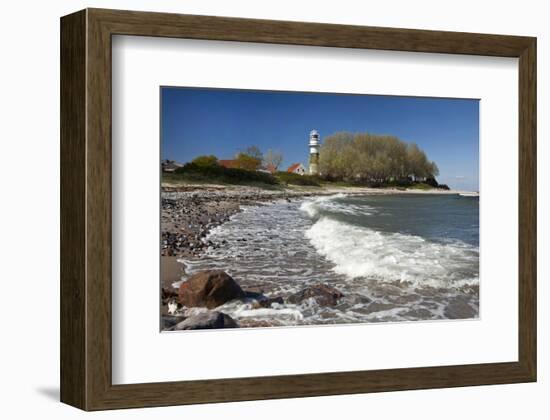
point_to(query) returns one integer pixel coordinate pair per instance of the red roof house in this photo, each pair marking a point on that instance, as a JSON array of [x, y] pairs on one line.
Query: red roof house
[[296, 168]]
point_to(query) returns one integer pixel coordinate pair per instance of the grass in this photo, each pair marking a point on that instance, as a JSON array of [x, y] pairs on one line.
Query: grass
[[193, 173], [196, 174], [288, 178], [420, 186]]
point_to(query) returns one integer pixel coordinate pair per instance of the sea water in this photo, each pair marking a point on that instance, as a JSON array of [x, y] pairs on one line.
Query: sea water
[[395, 257]]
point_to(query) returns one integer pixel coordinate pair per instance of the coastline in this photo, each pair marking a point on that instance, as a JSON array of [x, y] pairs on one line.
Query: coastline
[[295, 190], [190, 212]]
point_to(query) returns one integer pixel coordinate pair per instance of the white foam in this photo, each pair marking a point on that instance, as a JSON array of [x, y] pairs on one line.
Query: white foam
[[280, 249], [313, 208], [294, 314], [362, 252]]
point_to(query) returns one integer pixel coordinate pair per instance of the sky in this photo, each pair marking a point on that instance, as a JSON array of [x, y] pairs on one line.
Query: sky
[[221, 122]]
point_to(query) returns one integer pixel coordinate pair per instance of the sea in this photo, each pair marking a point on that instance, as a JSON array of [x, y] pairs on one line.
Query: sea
[[394, 257]]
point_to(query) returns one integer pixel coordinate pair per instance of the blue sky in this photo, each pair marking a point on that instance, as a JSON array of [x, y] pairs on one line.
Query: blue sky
[[198, 121]]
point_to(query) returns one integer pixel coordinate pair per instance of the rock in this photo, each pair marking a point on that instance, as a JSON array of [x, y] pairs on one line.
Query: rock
[[324, 295], [459, 309], [259, 300], [210, 288], [419, 313], [266, 302], [357, 299], [380, 306], [403, 299], [168, 321], [206, 321], [167, 294], [257, 323]]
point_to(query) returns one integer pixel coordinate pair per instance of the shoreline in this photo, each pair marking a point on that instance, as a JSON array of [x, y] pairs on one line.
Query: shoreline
[[190, 212], [295, 190]]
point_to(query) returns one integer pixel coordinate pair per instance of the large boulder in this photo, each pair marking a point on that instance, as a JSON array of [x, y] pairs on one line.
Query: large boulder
[[324, 295], [210, 289], [206, 321]]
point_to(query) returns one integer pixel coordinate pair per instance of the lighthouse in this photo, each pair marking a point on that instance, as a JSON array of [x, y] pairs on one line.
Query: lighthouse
[[314, 146]]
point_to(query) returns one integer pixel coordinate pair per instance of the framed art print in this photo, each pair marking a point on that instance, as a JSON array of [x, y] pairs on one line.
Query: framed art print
[[300, 209]]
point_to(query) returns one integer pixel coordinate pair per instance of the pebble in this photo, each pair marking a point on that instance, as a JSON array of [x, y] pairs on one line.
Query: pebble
[[188, 216]]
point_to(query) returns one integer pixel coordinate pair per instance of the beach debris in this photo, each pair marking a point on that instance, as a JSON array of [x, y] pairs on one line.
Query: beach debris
[[172, 307], [210, 288]]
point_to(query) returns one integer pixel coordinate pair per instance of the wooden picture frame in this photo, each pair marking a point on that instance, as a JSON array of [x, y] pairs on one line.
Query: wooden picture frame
[[86, 305]]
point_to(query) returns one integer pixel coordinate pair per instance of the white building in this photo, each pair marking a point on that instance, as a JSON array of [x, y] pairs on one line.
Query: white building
[[314, 146], [297, 168]]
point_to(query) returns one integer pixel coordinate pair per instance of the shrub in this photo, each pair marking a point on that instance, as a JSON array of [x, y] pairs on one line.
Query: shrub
[[295, 179], [420, 186], [205, 161], [217, 173], [247, 162], [431, 181]]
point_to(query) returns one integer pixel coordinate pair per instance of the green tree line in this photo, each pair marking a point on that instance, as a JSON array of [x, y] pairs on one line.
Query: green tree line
[[364, 157], [250, 159]]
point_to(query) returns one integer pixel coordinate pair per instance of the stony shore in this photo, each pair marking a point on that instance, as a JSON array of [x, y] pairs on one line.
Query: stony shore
[[198, 302], [189, 212]]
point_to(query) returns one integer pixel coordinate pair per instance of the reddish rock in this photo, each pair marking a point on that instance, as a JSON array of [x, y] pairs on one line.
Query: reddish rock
[[209, 289], [324, 295]]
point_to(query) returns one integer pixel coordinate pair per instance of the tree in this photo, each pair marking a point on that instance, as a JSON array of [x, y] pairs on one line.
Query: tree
[[371, 158], [334, 156], [434, 170], [253, 151], [245, 161], [272, 158], [205, 161]]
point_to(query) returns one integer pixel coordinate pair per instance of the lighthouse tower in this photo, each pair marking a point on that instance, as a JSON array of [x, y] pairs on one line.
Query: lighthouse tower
[[314, 146]]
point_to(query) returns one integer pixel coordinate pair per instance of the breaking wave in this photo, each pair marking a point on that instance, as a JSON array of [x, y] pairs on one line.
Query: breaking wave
[[384, 274], [362, 252], [313, 208]]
